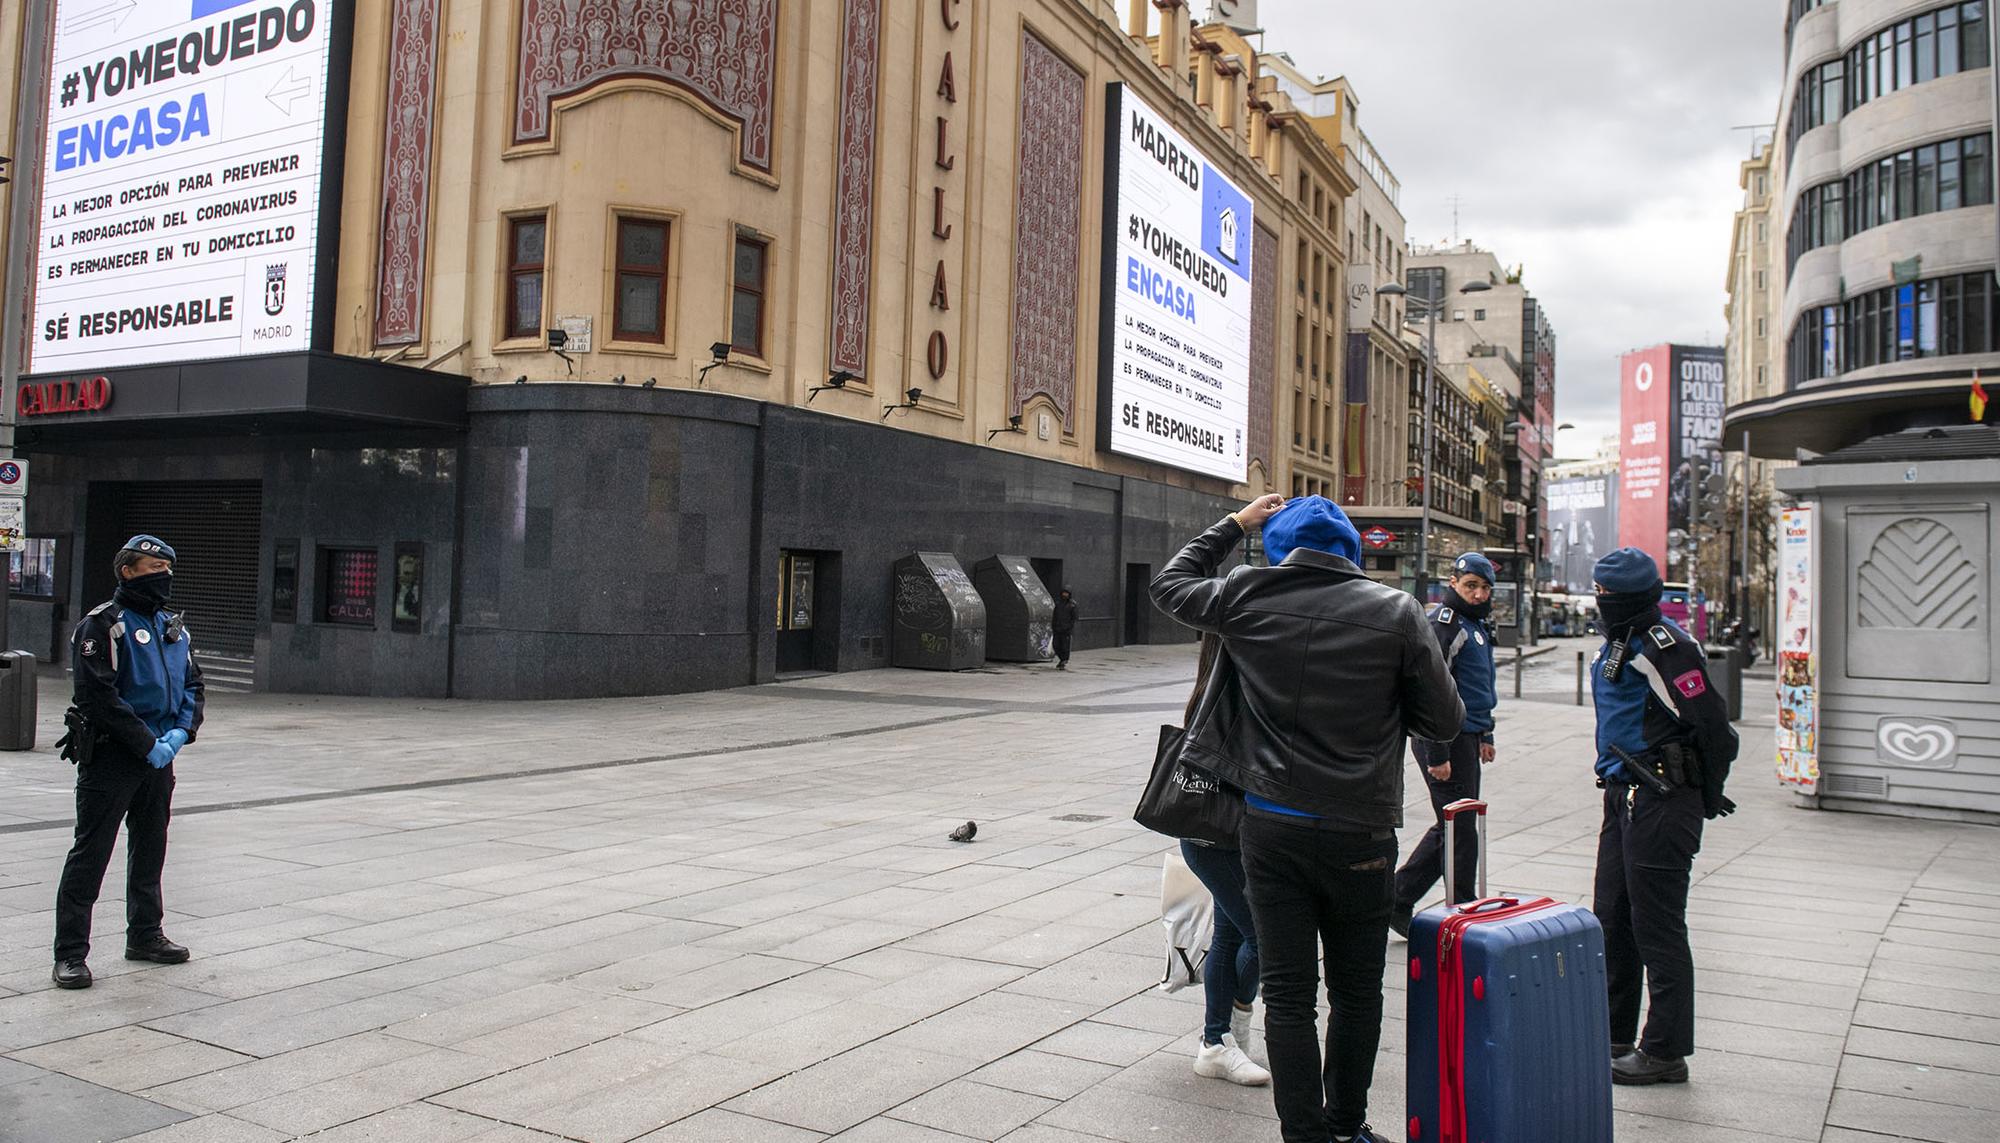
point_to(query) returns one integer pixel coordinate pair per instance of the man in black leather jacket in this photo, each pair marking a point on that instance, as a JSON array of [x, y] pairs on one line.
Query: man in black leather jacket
[[1328, 672]]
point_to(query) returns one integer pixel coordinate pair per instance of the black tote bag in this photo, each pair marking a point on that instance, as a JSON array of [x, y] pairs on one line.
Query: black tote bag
[[1186, 801]]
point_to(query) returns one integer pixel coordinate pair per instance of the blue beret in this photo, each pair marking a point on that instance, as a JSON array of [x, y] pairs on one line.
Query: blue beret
[[149, 546], [1626, 570], [1472, 563]]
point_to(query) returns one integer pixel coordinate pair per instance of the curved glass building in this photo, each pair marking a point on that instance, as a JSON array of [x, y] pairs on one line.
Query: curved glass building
[[1883, 218]]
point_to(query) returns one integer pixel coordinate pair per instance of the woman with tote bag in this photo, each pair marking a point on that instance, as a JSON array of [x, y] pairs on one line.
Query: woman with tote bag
[[1229, 975]]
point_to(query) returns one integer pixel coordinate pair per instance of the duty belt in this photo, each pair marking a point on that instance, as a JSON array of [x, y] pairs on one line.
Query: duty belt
[[1663, 769]]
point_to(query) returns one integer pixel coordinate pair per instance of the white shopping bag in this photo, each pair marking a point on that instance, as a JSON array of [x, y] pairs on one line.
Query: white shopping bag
[[1188, 912]]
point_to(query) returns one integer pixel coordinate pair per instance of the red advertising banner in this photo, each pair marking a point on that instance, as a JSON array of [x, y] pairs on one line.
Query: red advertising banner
[[1646, 388]]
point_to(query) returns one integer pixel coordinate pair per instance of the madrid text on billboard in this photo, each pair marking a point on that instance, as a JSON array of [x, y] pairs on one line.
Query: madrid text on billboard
[[1178, 163], [148, 128]]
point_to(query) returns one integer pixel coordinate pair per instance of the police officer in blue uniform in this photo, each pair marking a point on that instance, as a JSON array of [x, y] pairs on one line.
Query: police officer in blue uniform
[[138, 703], [1664, 746], [1452, 769]]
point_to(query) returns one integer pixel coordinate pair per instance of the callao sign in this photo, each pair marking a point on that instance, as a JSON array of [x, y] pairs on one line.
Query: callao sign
[[87, 395]]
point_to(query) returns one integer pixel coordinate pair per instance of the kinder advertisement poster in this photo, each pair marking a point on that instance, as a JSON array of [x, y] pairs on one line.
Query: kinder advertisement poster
[[1798, 665]]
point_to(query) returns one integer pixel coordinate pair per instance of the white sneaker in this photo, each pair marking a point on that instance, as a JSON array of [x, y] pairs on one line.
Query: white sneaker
[[1227, 1061], [1249, 1037]]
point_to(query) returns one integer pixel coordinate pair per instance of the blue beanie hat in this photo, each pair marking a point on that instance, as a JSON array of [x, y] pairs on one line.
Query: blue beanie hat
[[1472, 563], [1311, 522], [1626, 571]]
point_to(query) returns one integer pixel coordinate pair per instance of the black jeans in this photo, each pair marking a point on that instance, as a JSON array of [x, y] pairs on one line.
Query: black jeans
[[115, 788], [1645, 860], [1062, 646], [1316, 889], [1426, 862]]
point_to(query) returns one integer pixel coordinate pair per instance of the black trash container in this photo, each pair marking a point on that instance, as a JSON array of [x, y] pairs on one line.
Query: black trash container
[[17, 700], [1725, 671]]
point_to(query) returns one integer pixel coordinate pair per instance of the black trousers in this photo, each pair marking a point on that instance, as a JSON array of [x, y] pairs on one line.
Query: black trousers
[[1062, 645], [1645, 860], [1315, 891], [115, 788], [1426, 862]]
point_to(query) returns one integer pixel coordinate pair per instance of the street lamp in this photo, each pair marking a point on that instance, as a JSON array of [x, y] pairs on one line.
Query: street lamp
[[1431, 307]]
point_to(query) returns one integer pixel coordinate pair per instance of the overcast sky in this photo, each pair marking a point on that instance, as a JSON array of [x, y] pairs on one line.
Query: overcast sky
[[1590, 140]]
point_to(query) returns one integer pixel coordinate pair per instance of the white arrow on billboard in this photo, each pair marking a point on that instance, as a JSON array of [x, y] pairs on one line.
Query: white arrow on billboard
[[291, 89], [114, 14]]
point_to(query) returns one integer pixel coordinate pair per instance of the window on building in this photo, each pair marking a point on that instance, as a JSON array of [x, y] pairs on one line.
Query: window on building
[[1943, 41], [1757, 279], [348, 579], [1938, 176], [527, 244], [1458, 315], [1937, 317], [1821, 95], [746, 307], [1478, 315], [640, 309], [32, 571]]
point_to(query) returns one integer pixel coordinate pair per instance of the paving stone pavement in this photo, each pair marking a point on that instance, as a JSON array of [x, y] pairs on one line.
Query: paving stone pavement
[[734, 917]]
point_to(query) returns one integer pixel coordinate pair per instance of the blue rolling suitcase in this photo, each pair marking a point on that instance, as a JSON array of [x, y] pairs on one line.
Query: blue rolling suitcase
[[1509, 1025]]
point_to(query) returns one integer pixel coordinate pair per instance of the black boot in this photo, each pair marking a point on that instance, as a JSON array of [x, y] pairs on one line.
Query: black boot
[[159, 950], [71, 973], [1639, 1069]]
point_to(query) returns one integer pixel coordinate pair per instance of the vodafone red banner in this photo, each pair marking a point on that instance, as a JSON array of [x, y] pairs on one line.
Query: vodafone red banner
[[1646, 388]]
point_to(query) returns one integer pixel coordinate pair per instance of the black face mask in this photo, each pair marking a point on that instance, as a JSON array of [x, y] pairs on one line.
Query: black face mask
[[147, 592], [1624, 610], [1476, 610]]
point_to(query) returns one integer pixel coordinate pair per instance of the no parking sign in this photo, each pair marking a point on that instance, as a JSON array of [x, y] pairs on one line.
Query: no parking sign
[[13, 478]]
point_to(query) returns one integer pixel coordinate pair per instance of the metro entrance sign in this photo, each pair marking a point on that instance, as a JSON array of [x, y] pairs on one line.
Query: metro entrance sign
[[1378, 537]]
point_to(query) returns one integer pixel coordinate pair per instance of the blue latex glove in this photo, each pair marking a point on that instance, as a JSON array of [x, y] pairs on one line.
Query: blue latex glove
[[161, 754], [176, 738]]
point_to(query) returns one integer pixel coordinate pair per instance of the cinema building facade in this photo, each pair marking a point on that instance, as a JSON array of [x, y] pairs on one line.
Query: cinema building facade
[[565, 348]]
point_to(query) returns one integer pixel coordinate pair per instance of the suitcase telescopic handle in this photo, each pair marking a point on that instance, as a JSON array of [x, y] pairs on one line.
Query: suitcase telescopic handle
[[1477, 809]]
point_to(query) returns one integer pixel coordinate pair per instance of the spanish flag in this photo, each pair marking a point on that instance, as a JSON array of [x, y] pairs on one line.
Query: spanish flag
[[1978, 400]]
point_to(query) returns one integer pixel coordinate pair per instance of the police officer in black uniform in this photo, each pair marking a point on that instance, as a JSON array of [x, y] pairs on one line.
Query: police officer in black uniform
[[138, 703], [1664, 746], [1452, 769]]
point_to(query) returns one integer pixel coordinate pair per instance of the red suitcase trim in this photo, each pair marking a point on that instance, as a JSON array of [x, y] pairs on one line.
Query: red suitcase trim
[[1451, 1004]]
